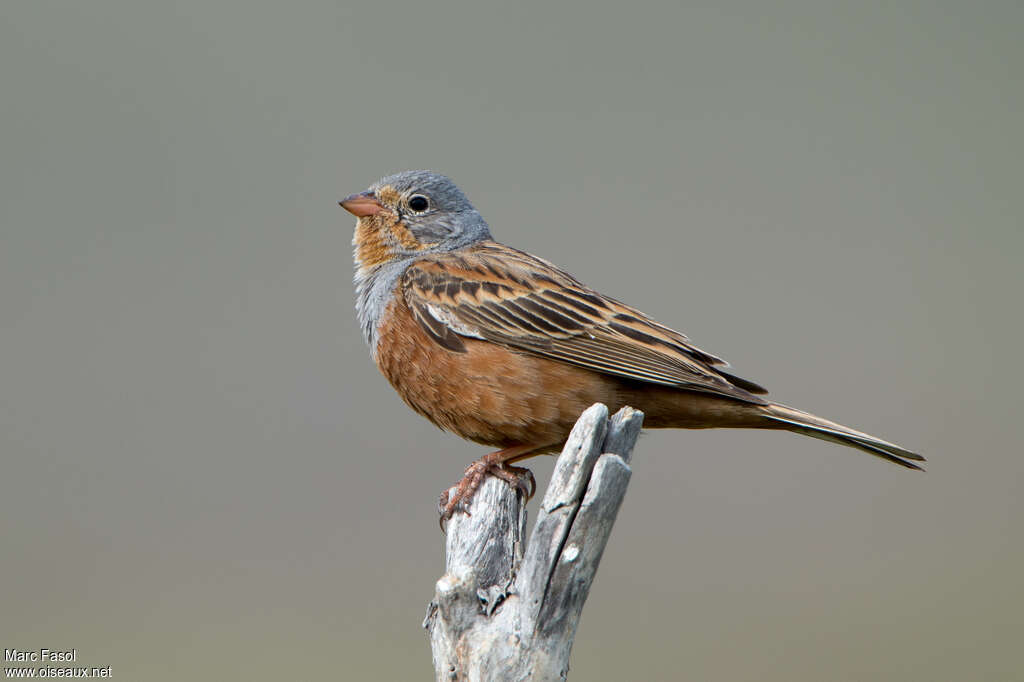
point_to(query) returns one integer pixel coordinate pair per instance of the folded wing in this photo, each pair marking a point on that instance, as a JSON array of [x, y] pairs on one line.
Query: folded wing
[[505, 296]]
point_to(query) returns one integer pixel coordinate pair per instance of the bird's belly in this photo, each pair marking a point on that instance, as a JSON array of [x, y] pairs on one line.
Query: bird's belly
[[488, 394]]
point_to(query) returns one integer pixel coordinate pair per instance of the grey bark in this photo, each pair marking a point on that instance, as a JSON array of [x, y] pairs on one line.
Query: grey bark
[[506, 609]]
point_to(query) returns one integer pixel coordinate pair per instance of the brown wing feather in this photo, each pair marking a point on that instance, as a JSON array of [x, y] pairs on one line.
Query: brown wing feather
[[506, 296]]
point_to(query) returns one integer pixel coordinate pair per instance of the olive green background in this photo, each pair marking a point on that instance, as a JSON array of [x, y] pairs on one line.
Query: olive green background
[[203, 477]]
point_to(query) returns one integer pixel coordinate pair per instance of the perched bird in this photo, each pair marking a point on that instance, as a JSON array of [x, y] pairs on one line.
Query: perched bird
[[505, 349]]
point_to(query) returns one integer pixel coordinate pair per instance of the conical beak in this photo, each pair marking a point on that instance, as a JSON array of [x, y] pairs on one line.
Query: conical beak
[[361, 204]]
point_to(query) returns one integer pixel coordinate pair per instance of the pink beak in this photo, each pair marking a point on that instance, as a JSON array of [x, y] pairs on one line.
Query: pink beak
[[362, 204]]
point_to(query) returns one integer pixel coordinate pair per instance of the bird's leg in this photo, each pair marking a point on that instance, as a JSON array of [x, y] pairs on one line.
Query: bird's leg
[[497, 464]]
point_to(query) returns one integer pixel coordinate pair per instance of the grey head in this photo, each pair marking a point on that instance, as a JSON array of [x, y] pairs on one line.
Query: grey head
[[433, 209], [436, 217]]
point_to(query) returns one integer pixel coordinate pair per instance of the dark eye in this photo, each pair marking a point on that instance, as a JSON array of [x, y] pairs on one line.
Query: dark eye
[[419, 203]]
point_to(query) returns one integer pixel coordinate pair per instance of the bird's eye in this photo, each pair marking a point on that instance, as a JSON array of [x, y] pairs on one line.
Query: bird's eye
[[419, 203]]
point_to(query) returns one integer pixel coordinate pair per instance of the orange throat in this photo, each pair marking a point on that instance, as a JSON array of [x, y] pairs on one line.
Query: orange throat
[[373, 242], [381, 238]]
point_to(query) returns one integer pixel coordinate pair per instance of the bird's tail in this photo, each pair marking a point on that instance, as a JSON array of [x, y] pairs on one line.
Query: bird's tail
[[808, 424]]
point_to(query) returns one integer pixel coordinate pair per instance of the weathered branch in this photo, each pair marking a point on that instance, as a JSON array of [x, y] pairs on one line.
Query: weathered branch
[[500, 614]]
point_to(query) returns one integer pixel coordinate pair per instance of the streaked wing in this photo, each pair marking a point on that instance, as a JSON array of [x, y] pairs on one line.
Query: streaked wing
[[499, 294]]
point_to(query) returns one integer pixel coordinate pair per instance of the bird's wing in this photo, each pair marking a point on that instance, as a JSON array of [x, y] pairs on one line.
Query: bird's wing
[[505, 296]]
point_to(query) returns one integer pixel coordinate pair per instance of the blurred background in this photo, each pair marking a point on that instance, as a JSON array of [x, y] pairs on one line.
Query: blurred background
[[204, 476]]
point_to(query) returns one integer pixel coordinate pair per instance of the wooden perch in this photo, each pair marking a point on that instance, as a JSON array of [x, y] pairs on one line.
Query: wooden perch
[[505, 611]]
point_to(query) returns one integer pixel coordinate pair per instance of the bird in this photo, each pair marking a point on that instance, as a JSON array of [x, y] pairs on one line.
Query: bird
[[506, 349]]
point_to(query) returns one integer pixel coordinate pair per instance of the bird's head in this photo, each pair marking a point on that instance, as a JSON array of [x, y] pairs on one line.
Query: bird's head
[[412, 213]]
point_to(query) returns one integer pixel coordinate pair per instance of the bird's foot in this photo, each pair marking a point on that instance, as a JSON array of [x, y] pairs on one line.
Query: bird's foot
[[519, 478]]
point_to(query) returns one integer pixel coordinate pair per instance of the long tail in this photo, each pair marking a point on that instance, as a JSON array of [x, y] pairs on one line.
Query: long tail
[[816, 427]]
